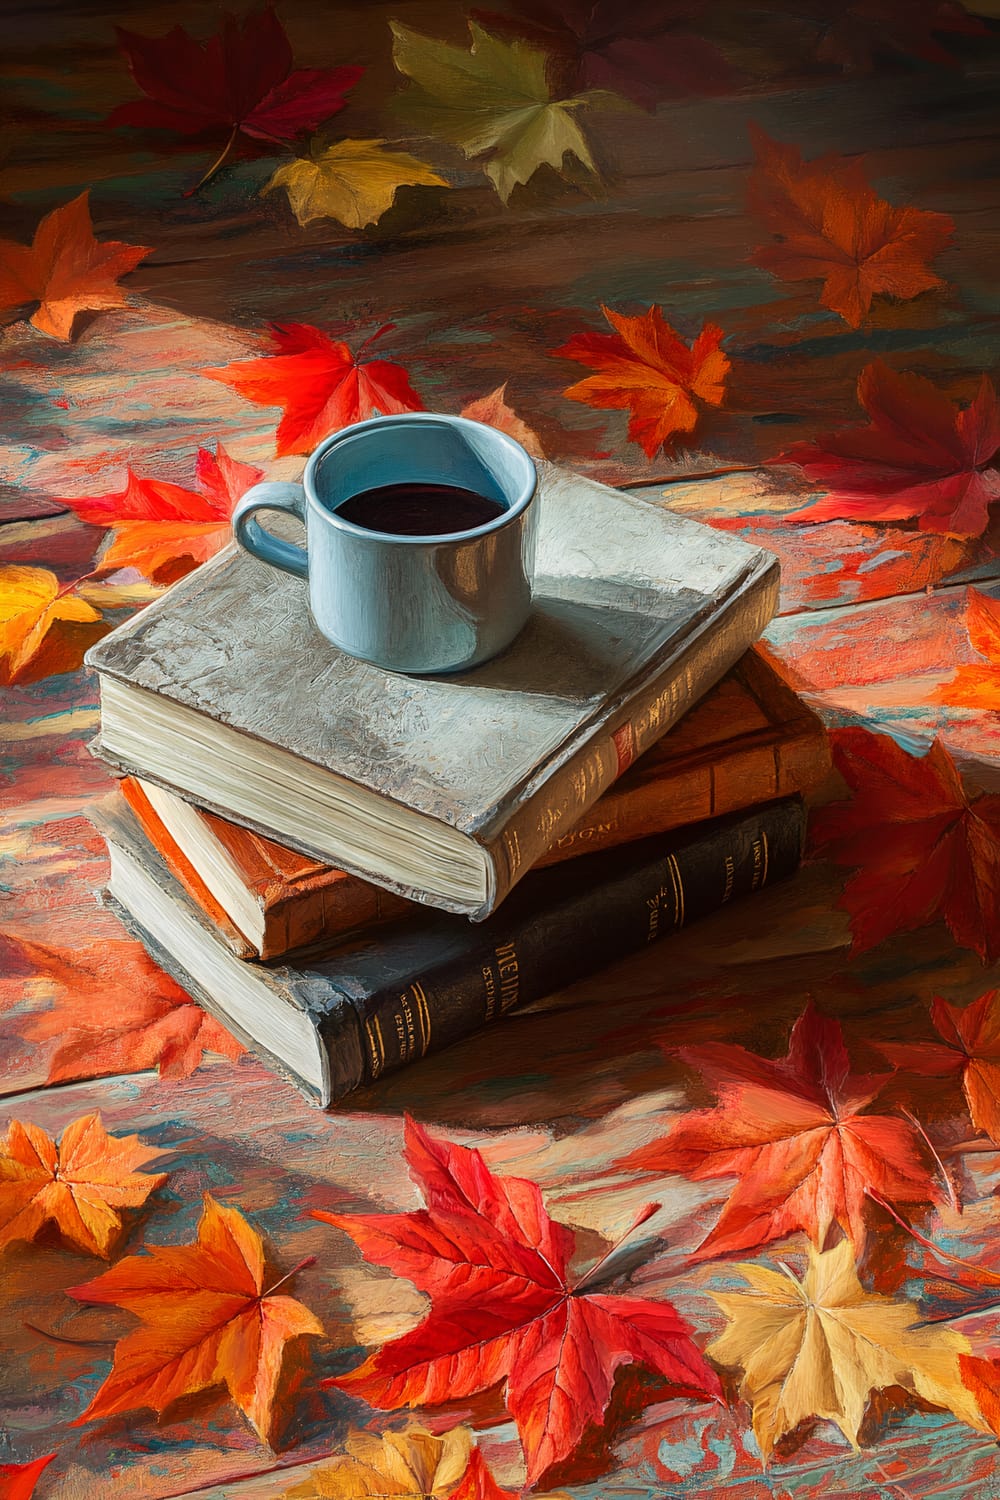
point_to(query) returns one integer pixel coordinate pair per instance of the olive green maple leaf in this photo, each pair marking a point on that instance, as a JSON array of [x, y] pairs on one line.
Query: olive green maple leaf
[[354, 182], [493, 100]]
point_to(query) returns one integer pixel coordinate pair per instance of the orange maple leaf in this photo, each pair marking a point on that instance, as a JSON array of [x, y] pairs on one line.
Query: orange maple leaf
[[833, 227], [969, 1049], [42, 629], [319, 383], [977, 687], [205, 1320], [494, 411], [79, 1185], [65, 270], [17, 1481], [162, 529], [116, 1013], [646, 368]]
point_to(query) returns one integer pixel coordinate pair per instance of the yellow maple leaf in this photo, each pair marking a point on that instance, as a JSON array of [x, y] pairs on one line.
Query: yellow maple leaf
[[493, 98], [494, 411], [354, 182], [413, 1464], [42, 631], [818, 1347]]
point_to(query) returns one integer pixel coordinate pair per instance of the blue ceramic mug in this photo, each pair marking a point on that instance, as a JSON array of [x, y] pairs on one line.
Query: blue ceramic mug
[[437, 602]]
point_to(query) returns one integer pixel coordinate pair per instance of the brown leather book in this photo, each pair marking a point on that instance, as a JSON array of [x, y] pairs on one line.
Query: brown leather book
[[748, 741]]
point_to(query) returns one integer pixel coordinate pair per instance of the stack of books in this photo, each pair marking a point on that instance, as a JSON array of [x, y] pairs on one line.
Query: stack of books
[[351, 867]]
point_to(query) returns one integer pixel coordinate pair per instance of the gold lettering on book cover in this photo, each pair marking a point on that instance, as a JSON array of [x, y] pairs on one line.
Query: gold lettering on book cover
[[376, 1046], [510, 975], [730, 868]]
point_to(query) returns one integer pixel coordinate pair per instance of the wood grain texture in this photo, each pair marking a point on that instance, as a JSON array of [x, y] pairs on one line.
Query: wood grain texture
[[873, 620]]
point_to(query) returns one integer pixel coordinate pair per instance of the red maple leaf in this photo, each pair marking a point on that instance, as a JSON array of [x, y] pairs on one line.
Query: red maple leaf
[[646, 368], [503, 1309], [920, 456], [797, 1136], [830, 225], [240, 80], [925, 846], [17, 1481], [969, 1050], [162, 529], [65, 270], [319, 383], [645, 50]]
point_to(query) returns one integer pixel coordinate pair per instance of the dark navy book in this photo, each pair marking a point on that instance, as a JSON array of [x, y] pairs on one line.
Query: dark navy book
[[335, 1018]]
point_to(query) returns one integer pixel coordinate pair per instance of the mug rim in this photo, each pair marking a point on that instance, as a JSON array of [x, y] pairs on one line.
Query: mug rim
[[506, 518]]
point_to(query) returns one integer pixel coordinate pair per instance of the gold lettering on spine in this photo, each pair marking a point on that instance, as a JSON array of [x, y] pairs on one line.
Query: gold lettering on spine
[[376, 1046], [763, 839], [424, 1016], [759, 850], [675, 875]]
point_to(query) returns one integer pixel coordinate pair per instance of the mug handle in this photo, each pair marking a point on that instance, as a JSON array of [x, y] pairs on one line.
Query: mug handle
[[251, 536]]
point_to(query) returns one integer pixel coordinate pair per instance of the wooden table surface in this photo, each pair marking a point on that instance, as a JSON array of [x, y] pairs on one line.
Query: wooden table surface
[[873, 622]]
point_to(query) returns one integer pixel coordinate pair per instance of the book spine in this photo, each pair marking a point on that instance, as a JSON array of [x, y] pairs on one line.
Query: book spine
[[559, 803], [560, 926], [333, 908]]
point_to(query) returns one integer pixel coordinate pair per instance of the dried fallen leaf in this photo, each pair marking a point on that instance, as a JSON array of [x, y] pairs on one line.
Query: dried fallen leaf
[[17, 1481], [80, 1185], [205, 1320], [831, 226], [239, 81], [162, 529], [319, 383], [494, 98], [116, 1012], [925, 847], [65, 270], [413, 1465], [646, 50], [797, 1135], [969, 1050], [503, 1309], [978, 687], [354, 182], [818, 1348], [648, 369], [919, 456], [859, 32], [494, 411], [42, 629]]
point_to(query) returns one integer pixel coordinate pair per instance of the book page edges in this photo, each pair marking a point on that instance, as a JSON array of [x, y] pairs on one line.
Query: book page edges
[[545, 809]]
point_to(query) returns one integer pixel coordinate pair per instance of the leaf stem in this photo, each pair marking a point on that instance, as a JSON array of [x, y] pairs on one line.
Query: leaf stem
[[219, 161], [645, 1213], [59, 1338], [945, 1175], [991, 1277], [310, 1260]]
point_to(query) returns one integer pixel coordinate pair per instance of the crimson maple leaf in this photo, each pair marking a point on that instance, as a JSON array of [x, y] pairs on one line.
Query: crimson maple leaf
[[17, 1481], [645, 50], [969, 1050], [503, 1308], [319, 383], [163, 529], [646, 368], [65, 270], [797, 1136], [926, 847], [919, 456], [831, 226], [240, 80]]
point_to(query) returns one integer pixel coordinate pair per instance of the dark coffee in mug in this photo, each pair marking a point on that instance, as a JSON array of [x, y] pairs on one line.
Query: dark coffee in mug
[[409, 509]]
